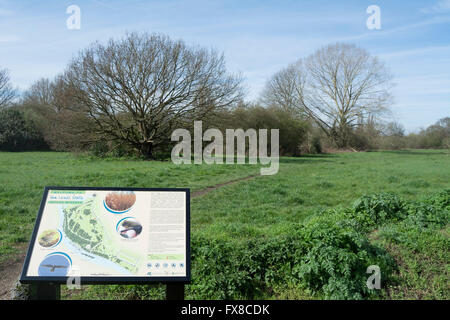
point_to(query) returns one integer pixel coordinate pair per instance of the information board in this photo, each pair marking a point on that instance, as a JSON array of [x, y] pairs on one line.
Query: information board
[[110, 235]]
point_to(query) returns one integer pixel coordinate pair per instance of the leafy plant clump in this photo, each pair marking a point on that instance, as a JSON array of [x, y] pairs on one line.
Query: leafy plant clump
[[337, 257], [327, 256]]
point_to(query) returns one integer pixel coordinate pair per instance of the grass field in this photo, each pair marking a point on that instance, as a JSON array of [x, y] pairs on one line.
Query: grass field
[[255, 210]]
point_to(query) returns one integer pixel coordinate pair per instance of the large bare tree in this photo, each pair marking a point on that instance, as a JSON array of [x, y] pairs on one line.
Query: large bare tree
[[140, 88], [338, 87], [7, 92]]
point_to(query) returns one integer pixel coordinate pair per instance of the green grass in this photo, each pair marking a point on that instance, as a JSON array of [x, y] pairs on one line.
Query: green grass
[[423, 272], [24, 175], [259, 209], [267, 205]]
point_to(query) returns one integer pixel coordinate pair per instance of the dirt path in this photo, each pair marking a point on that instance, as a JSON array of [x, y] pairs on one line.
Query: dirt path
[[202, 192], [10, 270]]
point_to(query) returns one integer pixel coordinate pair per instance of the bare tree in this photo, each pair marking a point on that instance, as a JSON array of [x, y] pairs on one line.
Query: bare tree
[[142, 87], [394, 128], [338, 87], [63, 123], [40, 93], [283, 88], [7, 92], [54, 94]]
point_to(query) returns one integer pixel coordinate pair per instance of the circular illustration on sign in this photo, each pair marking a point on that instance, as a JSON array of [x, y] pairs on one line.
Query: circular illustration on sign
[[129, 228], [49, 238], [55, 265], [119, 201]]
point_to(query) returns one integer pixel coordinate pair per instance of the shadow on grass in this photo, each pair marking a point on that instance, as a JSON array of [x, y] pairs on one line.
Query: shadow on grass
[[308, 158], [417, 152]]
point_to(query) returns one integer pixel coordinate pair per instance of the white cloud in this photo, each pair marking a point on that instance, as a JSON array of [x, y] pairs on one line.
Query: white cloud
[[5, 12], [428, 86], [440, 7], [416, 51], [384, 32], [9, 38]]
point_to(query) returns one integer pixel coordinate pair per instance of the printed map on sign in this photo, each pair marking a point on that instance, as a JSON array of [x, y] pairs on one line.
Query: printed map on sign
[[111, 233]]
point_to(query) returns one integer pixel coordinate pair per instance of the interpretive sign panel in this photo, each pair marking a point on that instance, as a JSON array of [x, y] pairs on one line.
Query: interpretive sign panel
[[110, 235]]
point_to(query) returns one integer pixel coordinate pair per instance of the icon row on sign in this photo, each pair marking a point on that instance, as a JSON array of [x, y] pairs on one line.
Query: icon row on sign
[[149, 273], [164, 265]]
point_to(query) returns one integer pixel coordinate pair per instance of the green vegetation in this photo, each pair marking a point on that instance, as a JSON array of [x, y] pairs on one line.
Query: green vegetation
[[319, 102], [18, 132], [308, 232], [328, 255], [420, 244], [24, 175]]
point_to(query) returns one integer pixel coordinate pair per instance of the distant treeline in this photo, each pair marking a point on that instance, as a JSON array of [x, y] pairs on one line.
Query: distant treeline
[[127, 96], [23, 128]]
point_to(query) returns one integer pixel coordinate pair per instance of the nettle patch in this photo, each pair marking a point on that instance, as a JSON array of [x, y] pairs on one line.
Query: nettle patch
[[327, 256]]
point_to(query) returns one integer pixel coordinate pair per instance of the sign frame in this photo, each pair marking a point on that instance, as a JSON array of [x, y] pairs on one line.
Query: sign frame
[[107, 279]]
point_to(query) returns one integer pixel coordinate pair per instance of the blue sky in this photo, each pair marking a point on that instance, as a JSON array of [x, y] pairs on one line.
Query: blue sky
[[258, 38]]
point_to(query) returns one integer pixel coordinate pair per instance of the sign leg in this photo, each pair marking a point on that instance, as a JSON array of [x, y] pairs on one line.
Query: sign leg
[[45, 291], [175, 291]]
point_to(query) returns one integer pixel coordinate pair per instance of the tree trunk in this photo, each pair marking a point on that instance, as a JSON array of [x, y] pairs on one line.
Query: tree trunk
[[146, 150], [343, 136]]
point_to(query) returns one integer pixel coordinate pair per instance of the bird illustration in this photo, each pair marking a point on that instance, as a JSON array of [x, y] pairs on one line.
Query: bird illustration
[[130, 230], [53, 267]]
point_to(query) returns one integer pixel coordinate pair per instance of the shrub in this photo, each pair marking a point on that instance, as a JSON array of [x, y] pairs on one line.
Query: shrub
[[110, 149], [431, 212], [316, 144], [326, 256], [293, 130], [371, 211], [421, 243], [217, 272], [18, 134], [241, 270], [337, 257]]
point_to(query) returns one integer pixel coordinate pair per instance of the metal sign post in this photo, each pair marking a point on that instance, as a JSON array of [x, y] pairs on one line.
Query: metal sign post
[[45, 291], [175, 291]]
